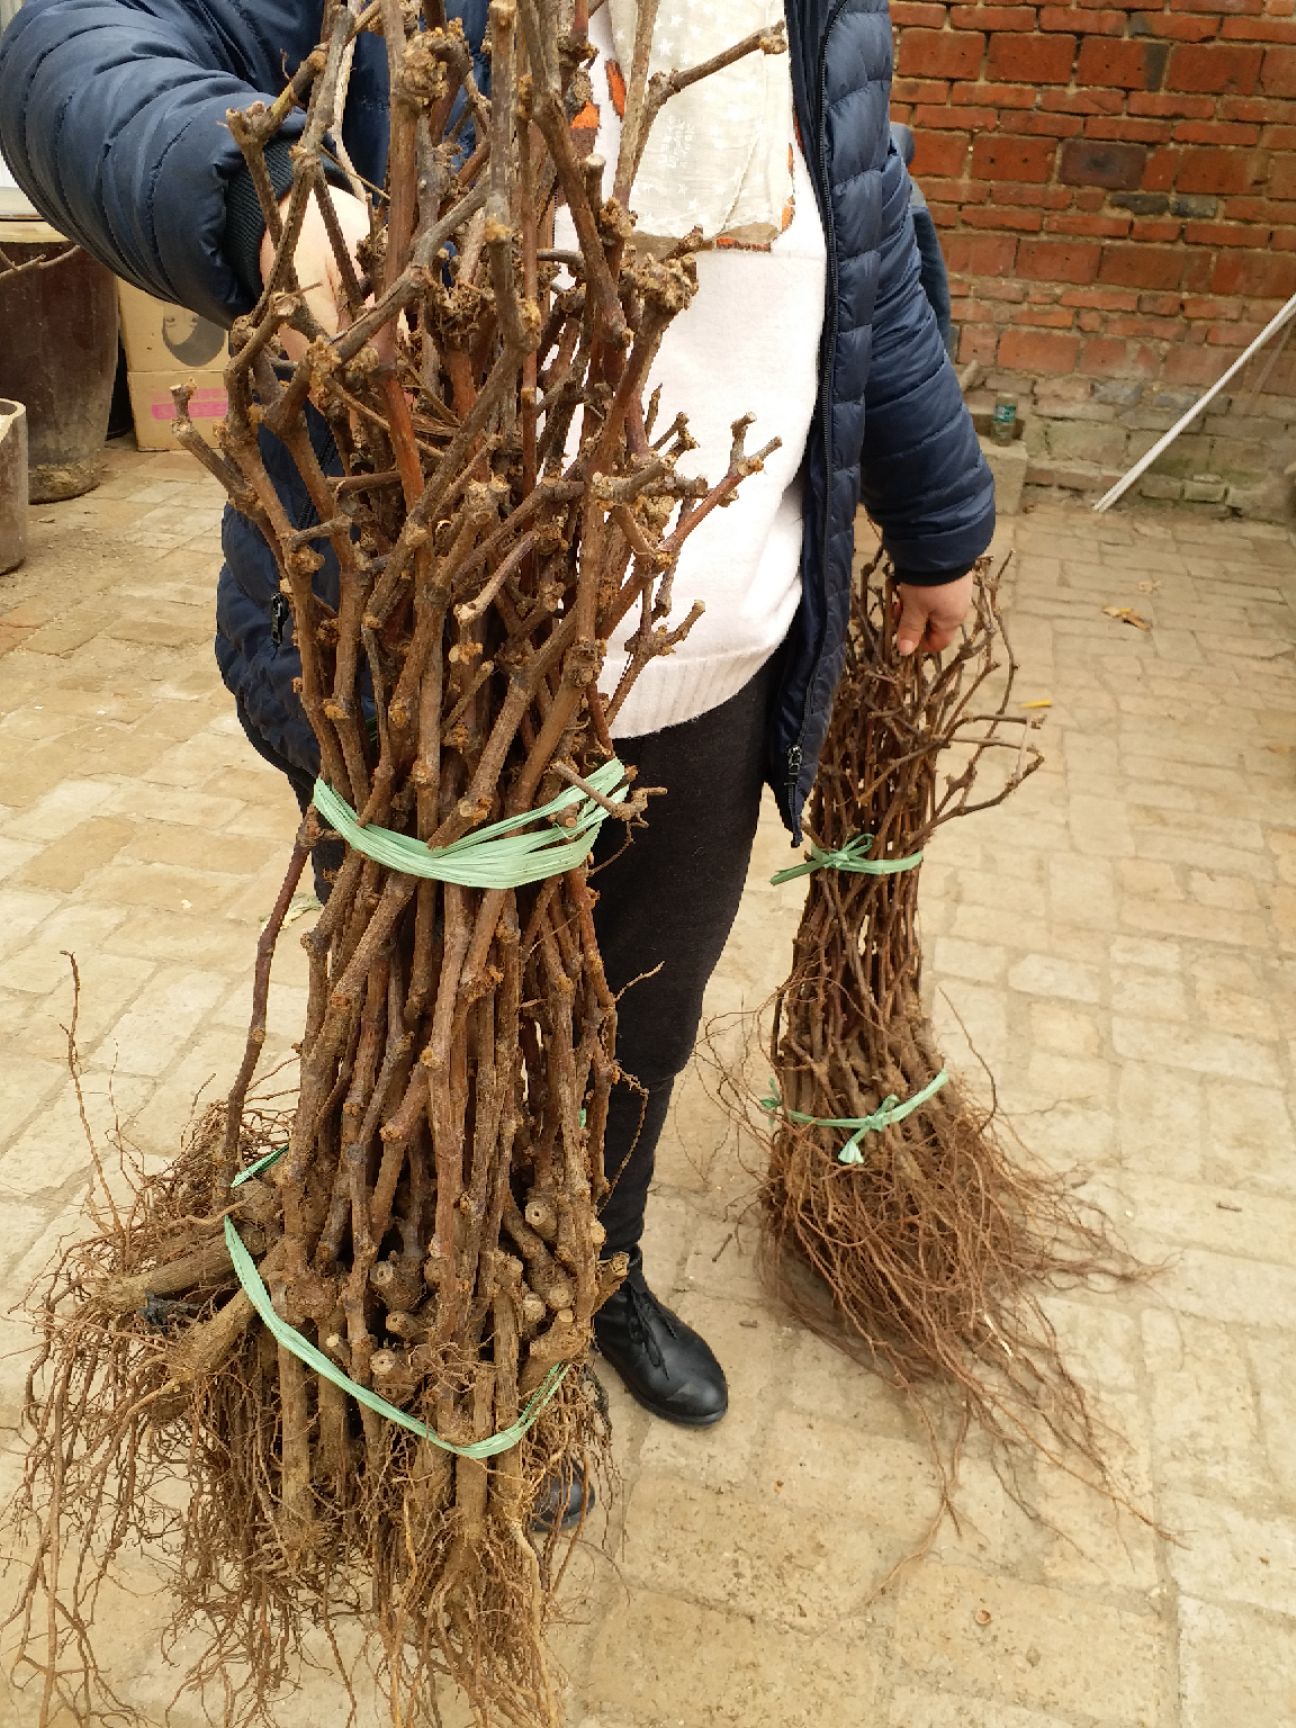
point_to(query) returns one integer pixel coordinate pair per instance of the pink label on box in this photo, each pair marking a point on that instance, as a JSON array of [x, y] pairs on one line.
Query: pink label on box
[[209, 404]]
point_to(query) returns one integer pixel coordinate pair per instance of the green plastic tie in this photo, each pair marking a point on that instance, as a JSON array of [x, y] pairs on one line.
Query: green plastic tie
[[852, 856], [888, 1111], [498, 855], [306, 1352]]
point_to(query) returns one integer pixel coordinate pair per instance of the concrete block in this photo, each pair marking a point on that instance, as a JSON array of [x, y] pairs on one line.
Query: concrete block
[[1160, 486], [1236, 1664], [1120, 392], [1008, 464], [1270, 501], [1081, 441], [1205, 489], [966, 1632], [1072, 476]]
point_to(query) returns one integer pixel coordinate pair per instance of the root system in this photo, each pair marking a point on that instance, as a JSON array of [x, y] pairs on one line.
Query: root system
[[502, 504], [929, 1258]]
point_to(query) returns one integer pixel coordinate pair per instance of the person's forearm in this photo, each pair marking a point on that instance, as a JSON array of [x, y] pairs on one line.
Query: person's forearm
[[114, 124], [934, 276], [923, 478]]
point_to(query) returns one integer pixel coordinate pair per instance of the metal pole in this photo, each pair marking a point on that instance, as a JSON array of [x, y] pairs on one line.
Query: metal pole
[[1144, 462]]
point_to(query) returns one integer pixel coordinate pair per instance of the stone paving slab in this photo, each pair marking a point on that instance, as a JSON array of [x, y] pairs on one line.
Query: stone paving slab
[[1118, 942]]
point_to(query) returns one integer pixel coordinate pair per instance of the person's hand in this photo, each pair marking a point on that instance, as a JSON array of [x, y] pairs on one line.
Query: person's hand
[[930, 617], [316, 266]]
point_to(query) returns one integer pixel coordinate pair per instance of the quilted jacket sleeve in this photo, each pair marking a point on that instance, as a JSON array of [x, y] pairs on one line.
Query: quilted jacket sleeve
[[924, 479], [113, 123]]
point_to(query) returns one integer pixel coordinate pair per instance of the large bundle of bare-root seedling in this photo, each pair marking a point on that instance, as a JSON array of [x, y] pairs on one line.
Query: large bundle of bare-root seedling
[[929, 1243], [429, 1234]]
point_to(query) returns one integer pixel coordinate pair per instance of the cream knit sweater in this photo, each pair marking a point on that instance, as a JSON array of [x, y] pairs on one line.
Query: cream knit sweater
[[748, 344]]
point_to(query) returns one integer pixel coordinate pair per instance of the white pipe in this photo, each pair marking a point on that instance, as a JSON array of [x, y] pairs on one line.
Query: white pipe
[[1144, 462]]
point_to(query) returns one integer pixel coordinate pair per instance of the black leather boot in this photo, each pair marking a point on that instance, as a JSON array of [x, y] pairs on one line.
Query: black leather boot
[[563, 1501], [664, 1363]]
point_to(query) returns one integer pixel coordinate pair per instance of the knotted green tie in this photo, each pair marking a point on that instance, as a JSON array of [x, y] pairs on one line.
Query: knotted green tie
[[853, 856], [888, 1111]]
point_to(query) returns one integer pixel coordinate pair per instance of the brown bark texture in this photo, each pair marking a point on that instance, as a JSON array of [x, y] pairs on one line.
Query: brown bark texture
[[508, 498], [932, 1258]]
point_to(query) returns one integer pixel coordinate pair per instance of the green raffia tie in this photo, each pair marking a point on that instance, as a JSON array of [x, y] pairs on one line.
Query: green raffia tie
[[852, 856], [306, 1352], [497, 856], [888, 1111]]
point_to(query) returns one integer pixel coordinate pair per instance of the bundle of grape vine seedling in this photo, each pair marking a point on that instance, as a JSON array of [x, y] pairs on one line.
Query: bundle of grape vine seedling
[[901, 1219], [355, 1333]]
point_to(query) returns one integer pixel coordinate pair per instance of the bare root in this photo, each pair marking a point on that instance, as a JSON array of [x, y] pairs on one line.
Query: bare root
[[431, 1223], [930, 1258]]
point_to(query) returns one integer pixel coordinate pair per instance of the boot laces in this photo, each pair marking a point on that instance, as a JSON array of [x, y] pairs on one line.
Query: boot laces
[[646, 1312]]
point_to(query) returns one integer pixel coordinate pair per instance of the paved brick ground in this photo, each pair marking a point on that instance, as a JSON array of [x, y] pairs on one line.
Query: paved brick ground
[[1120, 944]]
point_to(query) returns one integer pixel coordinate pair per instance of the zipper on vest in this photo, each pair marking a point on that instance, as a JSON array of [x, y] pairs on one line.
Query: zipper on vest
[[796, 755], [279, 616]]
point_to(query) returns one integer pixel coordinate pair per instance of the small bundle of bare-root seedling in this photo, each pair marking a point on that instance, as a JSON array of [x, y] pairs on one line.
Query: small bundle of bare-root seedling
[[356, 1335], [927, 1243]]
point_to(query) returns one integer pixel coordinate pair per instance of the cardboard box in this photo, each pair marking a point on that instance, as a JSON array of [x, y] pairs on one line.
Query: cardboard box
[[167, 345], [154, 411], [158, 336]]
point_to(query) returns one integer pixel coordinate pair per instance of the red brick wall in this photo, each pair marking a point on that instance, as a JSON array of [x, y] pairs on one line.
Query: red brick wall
[[1115, 182]]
